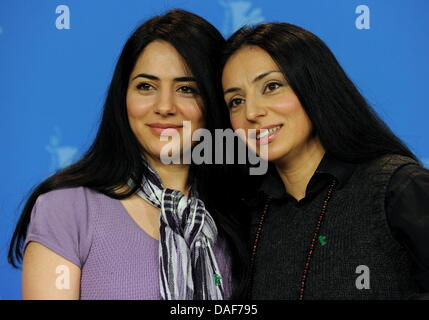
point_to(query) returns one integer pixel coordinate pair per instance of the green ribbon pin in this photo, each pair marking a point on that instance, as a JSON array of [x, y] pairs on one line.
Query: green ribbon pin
[[322, 240], [217, 279]]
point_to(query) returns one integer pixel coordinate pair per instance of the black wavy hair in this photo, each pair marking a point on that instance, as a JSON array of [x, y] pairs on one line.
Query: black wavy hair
[[115, 155]]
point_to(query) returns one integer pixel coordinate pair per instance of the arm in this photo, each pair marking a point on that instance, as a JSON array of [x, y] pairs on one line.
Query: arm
[[56, 245], [407, 209], [48, 276]]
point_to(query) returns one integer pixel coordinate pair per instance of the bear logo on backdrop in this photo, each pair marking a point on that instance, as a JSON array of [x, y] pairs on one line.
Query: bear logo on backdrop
[[239, 13], [61, 155]]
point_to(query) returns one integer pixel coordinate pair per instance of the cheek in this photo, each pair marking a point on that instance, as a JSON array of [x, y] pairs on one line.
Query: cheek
[[288, 106], [192, 112], [296, 120], [240, 125], [137, 106], [291, 110], [237, 120], [197, 118]]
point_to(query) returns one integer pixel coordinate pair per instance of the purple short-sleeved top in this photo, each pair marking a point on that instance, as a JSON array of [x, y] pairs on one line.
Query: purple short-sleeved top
[[118, 259]]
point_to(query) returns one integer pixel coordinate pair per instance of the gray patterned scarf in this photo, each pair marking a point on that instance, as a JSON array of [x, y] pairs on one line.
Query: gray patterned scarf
[[188, 266]]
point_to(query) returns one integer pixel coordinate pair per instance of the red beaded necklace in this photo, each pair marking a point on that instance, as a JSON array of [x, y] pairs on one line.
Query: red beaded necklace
[[310, 250]]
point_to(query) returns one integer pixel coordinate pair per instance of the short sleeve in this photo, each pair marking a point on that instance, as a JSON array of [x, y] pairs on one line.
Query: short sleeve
[[60, 222]]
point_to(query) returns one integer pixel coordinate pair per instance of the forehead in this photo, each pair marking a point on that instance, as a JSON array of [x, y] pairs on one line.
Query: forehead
[[249, 61], [161, 58]]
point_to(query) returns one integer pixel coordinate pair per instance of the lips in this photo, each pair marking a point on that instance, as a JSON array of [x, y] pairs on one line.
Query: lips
[[164, 128], [164, 125], [266, 134], [266, 131]]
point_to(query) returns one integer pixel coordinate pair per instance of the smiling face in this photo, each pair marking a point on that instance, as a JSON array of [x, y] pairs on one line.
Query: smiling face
[[259, 97], [162, 93]]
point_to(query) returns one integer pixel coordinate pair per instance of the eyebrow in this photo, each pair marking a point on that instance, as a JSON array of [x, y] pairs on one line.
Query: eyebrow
[[257, 78], [152, 77]]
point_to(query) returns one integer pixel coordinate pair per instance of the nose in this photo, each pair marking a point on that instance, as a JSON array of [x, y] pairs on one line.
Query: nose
[[165, 105], [254, 109]]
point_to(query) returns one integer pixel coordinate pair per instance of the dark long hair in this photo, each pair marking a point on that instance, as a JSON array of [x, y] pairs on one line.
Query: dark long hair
[[347, 126], [345, 123], [115, 155]]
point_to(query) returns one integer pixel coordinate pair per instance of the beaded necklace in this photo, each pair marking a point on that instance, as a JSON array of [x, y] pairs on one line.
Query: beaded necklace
[[310, 250]]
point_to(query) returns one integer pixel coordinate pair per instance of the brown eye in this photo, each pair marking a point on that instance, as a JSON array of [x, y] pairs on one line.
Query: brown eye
[[235, 102], [144, 86], [187, 90], [272, 86]]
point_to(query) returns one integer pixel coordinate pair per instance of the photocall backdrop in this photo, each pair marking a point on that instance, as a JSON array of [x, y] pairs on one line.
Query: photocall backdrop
[[57, 59]]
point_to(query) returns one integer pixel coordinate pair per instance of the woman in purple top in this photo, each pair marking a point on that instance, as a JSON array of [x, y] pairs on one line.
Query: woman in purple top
[[119, 223]]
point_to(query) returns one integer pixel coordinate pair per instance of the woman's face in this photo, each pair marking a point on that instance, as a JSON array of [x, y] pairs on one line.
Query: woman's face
[[259, 97], [162, 93]]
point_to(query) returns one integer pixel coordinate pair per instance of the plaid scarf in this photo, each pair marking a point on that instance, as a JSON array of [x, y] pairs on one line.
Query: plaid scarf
[[188, 266]]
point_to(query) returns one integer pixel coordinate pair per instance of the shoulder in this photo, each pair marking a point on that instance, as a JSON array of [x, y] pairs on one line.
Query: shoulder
[[397, 179], [409, 180], [68, 209], [399, 170], [381, 169], [374, 176], [411, 172], [61, 196], [76, 197], [61, 221], [390, 162]]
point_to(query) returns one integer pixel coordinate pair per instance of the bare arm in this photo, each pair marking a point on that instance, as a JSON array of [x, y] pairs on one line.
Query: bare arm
[[48, 276]]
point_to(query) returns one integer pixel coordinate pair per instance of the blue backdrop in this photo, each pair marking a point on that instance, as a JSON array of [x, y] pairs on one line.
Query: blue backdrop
[[57, 58]]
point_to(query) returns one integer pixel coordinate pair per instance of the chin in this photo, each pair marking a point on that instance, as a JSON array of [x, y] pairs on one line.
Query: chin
[[155, 151], [274, 154]]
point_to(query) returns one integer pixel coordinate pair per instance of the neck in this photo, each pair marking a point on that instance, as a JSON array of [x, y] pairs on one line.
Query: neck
[[173, 176], [297, 168]]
